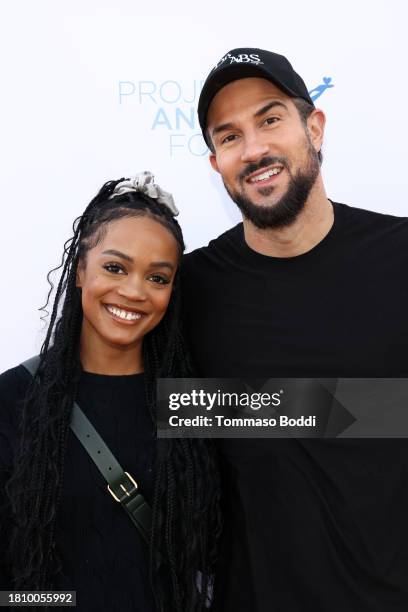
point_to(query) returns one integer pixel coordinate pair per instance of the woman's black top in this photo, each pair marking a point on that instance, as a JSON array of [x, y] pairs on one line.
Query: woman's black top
[[103, 556]]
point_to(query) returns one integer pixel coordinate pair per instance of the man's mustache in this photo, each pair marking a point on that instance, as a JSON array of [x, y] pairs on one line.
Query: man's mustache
[[263, 163]]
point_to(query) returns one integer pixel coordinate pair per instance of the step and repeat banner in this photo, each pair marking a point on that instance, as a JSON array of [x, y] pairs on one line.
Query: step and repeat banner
[[98, 90]]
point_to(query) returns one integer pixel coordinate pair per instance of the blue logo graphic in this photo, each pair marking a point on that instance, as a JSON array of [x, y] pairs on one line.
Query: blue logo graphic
[[173, 105], [317, 91]]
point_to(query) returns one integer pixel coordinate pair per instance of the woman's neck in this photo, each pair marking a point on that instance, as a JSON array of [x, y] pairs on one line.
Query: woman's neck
[[99, 357]]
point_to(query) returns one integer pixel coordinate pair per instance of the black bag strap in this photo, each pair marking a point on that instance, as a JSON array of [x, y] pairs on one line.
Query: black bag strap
[[121, 485]]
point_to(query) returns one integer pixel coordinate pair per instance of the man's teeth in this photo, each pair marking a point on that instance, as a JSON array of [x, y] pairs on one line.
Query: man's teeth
[[124, 314], [265, 175]]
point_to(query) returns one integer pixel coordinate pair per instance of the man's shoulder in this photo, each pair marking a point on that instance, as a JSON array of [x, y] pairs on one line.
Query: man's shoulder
[[224, 243], [365, 218], [378, 236]]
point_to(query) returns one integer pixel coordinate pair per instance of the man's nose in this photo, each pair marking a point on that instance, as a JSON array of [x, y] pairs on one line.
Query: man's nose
[[254, 148]]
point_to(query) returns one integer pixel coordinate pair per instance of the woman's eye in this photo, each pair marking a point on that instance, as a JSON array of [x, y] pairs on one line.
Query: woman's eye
[[114, 268], [159, 279]]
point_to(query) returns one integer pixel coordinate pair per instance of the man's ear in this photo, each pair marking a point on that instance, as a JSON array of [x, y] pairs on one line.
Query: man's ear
[[315, 125], [213, 162]]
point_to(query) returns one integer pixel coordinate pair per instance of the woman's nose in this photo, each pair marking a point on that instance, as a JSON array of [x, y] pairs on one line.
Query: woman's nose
[[133, 289]]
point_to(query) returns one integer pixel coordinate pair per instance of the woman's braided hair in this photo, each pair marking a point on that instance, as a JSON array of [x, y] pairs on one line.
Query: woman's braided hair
[[186, 515]]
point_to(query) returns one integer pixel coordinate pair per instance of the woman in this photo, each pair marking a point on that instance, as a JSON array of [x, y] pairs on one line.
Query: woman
[[113, 330]]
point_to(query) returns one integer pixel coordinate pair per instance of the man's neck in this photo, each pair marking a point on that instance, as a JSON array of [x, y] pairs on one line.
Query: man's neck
[[310, 227]]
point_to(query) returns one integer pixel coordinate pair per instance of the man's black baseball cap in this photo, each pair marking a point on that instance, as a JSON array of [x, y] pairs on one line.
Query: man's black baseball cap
[[248, 62]]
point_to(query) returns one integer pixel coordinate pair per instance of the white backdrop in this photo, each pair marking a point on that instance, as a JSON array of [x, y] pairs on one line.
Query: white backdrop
[[96, 90]]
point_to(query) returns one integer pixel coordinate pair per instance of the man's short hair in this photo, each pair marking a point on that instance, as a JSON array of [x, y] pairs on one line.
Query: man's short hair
[[304, 110]]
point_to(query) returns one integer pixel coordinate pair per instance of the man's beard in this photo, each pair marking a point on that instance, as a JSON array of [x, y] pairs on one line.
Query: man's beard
[[283, 212]]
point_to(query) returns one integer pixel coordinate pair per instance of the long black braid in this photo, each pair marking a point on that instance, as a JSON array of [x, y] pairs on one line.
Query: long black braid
[[186, 516]]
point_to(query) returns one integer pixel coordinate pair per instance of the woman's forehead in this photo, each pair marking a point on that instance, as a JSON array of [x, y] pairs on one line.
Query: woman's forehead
[[138, 235]]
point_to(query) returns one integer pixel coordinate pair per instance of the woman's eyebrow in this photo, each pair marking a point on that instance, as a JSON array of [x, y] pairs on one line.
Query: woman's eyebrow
[[118, 254], [162, 264], [153, 264]]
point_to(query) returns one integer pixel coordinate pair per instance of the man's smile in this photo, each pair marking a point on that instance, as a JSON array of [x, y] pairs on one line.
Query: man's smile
[[264, 177]]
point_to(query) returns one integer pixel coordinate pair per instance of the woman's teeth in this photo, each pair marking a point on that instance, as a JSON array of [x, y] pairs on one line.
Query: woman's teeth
[[124, 314], [265, 175]]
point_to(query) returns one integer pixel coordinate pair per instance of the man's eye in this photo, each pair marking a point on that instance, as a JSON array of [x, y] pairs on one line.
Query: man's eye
[[114, 268], [228, 138], [159, 279], [271, 120]]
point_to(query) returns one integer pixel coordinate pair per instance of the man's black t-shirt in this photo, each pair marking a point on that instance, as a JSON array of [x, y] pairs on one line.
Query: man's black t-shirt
[[317, 525], [103, 556]]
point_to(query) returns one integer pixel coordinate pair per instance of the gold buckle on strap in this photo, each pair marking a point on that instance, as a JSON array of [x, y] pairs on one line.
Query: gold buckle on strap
[[127, 487]]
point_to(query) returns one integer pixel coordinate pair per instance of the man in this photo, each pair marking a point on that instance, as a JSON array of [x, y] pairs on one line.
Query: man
[[304, 287]]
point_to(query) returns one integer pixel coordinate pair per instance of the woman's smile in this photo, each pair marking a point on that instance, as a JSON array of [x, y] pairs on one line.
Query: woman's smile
[[124, 315]]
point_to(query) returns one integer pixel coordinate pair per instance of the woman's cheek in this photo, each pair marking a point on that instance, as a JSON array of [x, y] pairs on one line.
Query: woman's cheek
[[164, 300]]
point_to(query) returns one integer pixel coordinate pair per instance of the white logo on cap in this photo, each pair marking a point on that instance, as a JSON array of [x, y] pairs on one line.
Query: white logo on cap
[[242, 58]]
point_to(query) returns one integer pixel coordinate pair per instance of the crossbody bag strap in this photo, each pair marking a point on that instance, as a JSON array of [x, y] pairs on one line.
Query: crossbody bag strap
[[121, 485]]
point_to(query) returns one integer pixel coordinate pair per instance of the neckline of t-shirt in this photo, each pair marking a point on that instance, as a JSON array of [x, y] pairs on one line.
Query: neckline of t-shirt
[[313, 252], [109, 378]]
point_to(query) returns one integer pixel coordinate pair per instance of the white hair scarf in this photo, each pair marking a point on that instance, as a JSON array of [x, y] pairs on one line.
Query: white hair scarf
[[144, 183]]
